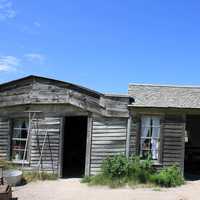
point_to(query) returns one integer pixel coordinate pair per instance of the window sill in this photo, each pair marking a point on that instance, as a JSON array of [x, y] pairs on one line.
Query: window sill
[[155, 163], [20, 162]]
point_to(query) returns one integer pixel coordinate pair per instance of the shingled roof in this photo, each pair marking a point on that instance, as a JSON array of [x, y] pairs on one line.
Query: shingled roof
[[165, 96]]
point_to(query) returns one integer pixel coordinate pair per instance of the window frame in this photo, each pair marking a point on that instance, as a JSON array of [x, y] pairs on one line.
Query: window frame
[[160, 138], [13, 128]]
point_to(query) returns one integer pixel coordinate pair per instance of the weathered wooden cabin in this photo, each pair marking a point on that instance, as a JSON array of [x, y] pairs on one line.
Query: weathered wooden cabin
[[50, 125], [60, 127]]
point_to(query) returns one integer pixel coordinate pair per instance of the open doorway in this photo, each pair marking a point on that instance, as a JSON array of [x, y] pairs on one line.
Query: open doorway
[[192, 147], [75, 136]]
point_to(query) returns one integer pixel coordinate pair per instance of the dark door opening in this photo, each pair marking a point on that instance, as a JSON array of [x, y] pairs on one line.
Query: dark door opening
[[75, 136], [192, 147]]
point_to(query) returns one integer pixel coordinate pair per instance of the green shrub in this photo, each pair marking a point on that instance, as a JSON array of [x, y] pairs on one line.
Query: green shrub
[[168, 177], [116, 166], [118, 170], [140, 171]]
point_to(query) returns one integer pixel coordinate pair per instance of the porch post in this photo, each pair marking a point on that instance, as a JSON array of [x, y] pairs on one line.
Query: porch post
[[128, 135], [88, 146]]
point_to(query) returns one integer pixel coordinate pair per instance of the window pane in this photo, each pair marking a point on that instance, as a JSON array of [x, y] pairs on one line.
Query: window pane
[[20, 132], [150, 134]]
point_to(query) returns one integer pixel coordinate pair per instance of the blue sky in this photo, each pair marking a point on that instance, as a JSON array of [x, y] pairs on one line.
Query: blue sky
[[101, 44]]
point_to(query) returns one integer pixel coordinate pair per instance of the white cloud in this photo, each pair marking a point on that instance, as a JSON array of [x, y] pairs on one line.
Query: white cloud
[[33, 29], [6, 10], [8, 63], [36, 24], [14, 64], [35, 57]]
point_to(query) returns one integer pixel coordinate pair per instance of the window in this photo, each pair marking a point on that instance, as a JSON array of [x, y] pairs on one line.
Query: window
[[19, 137], [150, 137]]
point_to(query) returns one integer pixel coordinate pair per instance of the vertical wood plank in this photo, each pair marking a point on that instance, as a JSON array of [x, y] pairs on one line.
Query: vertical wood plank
[[88, 146], [10, 138], [129, 121], [183, 143], [161, 146], [61, 150]]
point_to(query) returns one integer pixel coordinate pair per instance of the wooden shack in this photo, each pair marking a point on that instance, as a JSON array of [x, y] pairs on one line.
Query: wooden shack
[[63, 128], [168, 117]]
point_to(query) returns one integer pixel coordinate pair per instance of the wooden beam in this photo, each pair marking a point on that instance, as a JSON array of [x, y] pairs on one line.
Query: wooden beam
[[60, 164], [88, 146], [128, 135]]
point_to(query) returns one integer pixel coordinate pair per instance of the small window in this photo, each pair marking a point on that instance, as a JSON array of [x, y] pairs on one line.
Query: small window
[[19, 138], [150, 137]]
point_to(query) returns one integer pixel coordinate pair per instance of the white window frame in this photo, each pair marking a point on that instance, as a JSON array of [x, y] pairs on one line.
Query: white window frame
[[19, 139], [149, 144]]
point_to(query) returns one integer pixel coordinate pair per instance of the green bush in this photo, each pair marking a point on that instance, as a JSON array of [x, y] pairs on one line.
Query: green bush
[[116, 166], [168, 177], [118, 170], [140, 171]]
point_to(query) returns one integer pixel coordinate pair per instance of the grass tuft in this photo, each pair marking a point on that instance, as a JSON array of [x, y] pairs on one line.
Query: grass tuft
[[36, 176]]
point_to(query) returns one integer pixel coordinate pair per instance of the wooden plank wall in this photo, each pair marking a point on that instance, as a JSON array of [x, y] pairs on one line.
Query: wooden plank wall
[[52, 93], [4, 139], [134, 136], [173, 141], [15, 94], [108, 138], [50, 157]]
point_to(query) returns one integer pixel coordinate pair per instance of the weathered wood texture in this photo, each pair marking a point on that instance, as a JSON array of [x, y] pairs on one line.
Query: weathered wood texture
[[50, 155], [88, 146], [108, 138], [4, 139], [49, 110], [16, 94], [37, 90], [173, 141], [134, 136], [50, 93]]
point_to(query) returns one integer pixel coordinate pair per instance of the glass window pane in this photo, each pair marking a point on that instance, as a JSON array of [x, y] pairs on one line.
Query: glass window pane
[[150, 134], [20, 132]]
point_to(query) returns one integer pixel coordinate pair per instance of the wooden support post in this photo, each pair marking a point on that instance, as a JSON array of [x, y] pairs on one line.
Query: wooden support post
[[128, 135], [61, 144], [88, 146]]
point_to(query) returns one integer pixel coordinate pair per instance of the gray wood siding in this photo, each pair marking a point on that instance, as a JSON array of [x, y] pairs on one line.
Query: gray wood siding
[[108, 138], [50, 157], [37, 90], [134, 136], [16, 94], [4, 139], [173, 141]]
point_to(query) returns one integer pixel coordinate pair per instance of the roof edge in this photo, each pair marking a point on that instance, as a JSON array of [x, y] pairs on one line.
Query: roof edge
[[164, 85], [34, 77]]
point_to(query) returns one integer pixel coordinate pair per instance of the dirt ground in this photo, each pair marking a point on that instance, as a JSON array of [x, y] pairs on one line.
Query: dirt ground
[[72, 189]]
